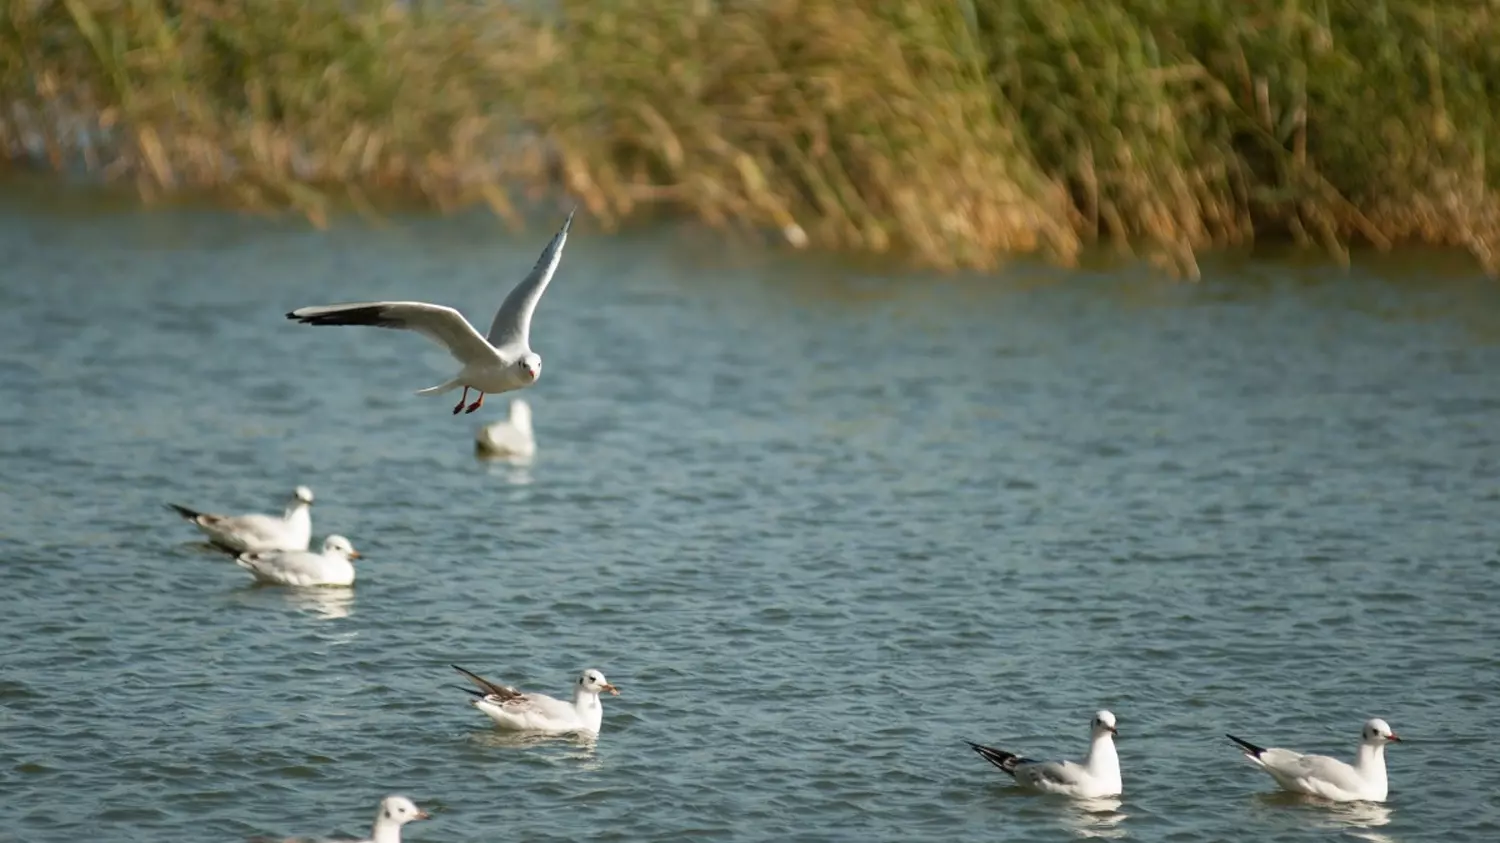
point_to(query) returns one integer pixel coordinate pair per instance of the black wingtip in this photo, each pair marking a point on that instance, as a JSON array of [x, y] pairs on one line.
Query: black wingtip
[[1248, 746], [568, 223], [1005, 761], [183, 511], [369, 314]]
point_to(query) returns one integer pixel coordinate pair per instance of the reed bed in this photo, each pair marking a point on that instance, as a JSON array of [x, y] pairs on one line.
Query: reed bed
[[951, 133]]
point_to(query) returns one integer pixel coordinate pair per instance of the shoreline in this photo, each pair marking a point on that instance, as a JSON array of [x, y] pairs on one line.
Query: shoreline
[[949, 136]]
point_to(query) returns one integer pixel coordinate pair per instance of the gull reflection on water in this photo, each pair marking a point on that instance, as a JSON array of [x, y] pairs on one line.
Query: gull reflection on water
[[513, 469], [326, 603], [581, 746], [1357, 819], [1095, 818], [323, 602]]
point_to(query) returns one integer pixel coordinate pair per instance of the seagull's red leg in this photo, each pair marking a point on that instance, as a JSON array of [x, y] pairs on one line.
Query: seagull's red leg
[[476, 405], [461, 402]]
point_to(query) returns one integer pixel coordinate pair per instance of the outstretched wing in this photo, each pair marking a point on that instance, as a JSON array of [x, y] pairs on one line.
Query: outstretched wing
[[443, 325], [513, 321]]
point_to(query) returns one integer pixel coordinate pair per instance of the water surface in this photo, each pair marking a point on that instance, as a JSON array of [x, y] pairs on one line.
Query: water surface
[[819, 523]]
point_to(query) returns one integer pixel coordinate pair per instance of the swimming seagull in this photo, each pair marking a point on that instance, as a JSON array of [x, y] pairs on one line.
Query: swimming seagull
[[523, 712], [334, 566], [1330, 778], [499, 362], [394, 812], [292, 531], [510, 437], [1098, 775]]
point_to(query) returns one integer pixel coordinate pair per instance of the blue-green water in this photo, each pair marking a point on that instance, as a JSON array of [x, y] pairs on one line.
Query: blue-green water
[[818, 524]]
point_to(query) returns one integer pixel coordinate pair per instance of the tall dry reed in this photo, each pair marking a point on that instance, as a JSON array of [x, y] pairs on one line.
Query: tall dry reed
[[953, 132]]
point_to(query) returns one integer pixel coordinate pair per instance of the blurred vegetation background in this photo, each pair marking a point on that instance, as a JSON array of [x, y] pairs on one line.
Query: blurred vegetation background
[[949, 133]]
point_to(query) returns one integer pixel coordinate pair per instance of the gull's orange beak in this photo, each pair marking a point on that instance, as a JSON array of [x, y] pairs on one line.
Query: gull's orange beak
[[1394, 737], [423, 815], [610, 688], [353, 554]]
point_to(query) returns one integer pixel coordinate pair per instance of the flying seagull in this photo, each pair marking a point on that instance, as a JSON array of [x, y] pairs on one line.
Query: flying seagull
[[500, 362]]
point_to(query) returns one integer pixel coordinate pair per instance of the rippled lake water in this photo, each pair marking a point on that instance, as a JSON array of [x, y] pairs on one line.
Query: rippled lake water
[[818, 522]]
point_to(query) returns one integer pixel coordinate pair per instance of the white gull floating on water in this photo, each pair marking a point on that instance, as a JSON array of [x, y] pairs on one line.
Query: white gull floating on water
[[292, 531], [510, 437], [394, 812], [500, 362], [334, 566], [1330, 778], [524, 712], [1098, 775]]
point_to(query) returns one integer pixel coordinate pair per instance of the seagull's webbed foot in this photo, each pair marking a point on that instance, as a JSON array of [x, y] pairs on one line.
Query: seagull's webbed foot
[[459, 407], [476, 405]]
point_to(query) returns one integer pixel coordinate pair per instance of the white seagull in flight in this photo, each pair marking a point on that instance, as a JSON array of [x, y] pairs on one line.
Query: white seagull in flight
[[500, 362]]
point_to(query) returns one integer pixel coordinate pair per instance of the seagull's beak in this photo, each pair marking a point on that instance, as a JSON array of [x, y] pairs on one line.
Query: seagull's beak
[[423, 815], [353, 554], [610, 688], [1393, 737], [1113, 731]]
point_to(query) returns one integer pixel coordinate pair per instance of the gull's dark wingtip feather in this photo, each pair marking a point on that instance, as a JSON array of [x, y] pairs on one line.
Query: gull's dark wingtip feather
[[469, 673], [1006, 761], [373, 315], [189, 514], [568, 223], [1255, 751]]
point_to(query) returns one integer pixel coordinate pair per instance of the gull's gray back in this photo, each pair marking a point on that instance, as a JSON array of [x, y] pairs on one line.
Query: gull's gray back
[[512, 323], [1296, 765], [1065, 773]]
